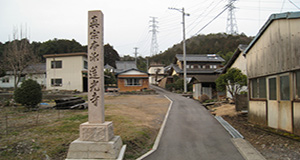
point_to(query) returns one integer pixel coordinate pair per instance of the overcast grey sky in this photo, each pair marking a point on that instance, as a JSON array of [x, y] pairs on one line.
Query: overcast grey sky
[[126, 22]]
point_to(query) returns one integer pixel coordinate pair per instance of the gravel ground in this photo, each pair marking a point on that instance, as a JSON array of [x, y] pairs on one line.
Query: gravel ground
[[272, 146]]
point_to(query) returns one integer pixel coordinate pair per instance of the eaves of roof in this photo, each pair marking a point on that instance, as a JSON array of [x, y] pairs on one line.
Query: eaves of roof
[[65, 55], [130, 70], [236, 54], [200, 58], [180, 71], [287, 15]]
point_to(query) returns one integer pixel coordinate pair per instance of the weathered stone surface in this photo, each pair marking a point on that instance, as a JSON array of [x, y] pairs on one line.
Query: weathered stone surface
[[95, 150], [102, 132], [96, 140], [95, 67]]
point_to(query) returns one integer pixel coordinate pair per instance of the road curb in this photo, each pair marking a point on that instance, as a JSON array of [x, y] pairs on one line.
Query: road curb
[[246, 149], [161, 130], [242, 145]]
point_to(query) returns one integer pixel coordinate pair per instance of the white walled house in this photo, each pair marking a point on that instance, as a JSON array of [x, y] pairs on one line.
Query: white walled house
[[238, 60], [35, 72], [67, 71], [156, 72]]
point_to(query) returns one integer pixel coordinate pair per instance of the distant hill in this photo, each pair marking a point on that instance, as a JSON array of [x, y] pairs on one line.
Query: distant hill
[[59, 46], [220, 43]]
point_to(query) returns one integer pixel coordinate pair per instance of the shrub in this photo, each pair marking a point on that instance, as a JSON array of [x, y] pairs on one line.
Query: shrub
[[175, 78], [29, 94], [204, 98], [243, 92], [170, 87], [179, 85]]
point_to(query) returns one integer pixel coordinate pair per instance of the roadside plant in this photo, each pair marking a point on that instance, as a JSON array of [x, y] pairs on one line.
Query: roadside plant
[[232, 81], [29, 94]]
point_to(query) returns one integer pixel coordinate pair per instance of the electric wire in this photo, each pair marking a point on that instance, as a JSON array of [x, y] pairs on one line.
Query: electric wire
[[293, 4], [213, 19]]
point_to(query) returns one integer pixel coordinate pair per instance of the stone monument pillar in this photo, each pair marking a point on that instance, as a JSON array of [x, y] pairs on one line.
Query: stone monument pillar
[[97, 139]]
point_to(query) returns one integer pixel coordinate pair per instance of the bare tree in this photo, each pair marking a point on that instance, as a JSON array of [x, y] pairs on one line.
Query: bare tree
[[17, 56]]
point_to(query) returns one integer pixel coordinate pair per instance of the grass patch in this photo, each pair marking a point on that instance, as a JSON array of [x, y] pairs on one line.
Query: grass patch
[[77, 118], [56, 129]]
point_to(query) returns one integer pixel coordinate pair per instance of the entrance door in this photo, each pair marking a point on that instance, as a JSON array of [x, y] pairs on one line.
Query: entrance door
[[272, 102], [285, 104], [85, 84]]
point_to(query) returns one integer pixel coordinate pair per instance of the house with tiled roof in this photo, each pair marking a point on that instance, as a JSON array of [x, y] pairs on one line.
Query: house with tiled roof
[[132, 80], [124, 65], [202, 70], [35, 72]]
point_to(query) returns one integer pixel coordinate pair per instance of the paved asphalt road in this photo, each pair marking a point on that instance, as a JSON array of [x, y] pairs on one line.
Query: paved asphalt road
[[192, 133]]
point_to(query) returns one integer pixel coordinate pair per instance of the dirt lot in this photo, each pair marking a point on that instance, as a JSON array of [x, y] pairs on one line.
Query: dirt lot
[[47, 133], [271, 145]]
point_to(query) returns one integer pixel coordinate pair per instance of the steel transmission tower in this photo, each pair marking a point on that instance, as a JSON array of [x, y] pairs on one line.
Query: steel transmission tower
[[153, 29], [231, 27]]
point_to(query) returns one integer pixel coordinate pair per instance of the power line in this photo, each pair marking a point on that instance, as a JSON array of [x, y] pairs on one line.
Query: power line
[[282, 5], [212, 20], [294, 4], [204, 15]]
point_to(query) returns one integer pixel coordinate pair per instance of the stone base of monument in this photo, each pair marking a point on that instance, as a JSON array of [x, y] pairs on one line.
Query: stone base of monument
[[97, 141]]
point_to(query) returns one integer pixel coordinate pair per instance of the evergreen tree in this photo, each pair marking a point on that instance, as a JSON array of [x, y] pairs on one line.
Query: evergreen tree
[[110, 55], [232, 81], [29, 94]]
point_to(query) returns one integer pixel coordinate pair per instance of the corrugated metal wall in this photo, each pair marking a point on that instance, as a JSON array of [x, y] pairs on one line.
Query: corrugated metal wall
[[278, 49]]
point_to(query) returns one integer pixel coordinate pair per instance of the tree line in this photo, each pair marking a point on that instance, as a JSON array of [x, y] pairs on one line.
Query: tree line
[[58, 46], [12, 52], [218, 43]]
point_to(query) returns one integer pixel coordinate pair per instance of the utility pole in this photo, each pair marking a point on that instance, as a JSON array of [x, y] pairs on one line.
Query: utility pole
[[135, 55], [184, 48], [147, 58], [154, 45]]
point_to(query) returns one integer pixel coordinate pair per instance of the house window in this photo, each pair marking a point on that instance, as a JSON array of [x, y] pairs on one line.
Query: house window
[[56, 82], [187, 66], [133, 82], [5, 80], [22, 78], [213, 66], [258, 87], [297, 85], [272, 89], [56, 64], [254, 88], [284, 88], [262, 88], [85, 64]]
